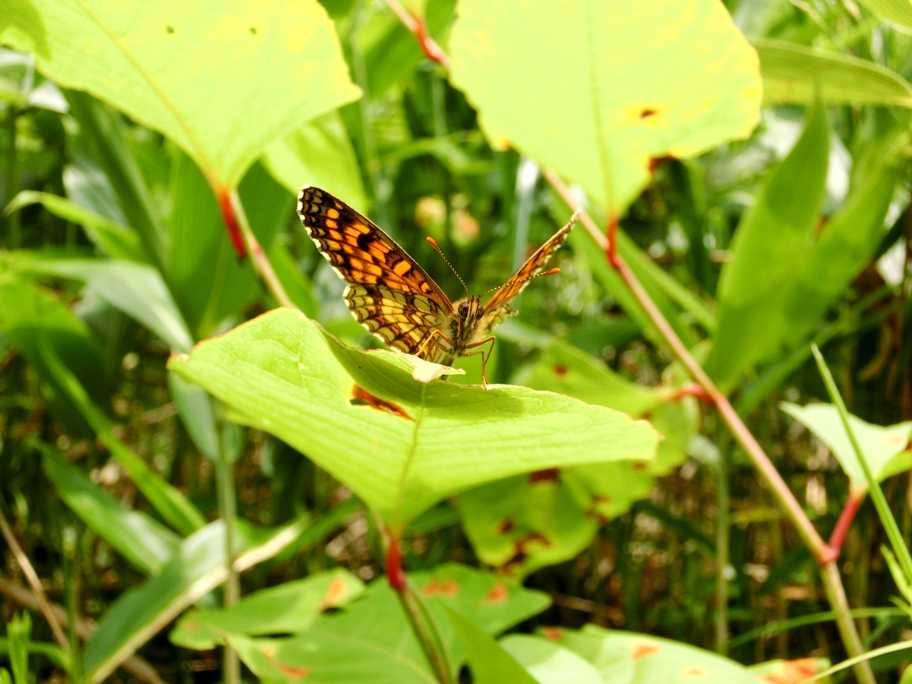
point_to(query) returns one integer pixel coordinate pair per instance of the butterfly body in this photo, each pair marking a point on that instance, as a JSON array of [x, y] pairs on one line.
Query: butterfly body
[[393, 297]]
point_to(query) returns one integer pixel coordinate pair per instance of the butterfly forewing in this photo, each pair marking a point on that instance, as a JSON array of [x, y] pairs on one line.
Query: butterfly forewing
[[389, 293], [534, 264]]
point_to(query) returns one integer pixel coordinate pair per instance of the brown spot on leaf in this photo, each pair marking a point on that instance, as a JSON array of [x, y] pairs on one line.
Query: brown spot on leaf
[[505, 526], [448, 588], [694, 671], [335, 591], [547, 475], [646, 112], [640, 465], [560, 369], [553, 633], [498, 594], [640, 651], [361, 396], [793, 671]]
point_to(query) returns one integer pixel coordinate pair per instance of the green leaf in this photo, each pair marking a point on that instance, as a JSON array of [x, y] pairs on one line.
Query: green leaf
[[197, 568], [886, 449], [527, 522], [134, 288], [770, 244], [319, 153], [489, 663], [418, 444], [115, 240], [146, 60], [795, 73], [373, 635], [550, 663], [897, 12], [626, 657], [689, 81], [209, 281], [140, 539], [846, 245], [291, 608]]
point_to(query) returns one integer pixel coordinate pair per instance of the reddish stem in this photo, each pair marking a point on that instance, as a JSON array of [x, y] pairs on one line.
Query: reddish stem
[[845, 522], [418, 27], [611, 251], [395, 575], [692, 390], [231, 222]]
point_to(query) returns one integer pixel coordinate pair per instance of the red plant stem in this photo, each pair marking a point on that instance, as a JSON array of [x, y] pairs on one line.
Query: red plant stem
[[690, 390], [395, 575], [845, 521], [417, 26], [231, 222], [259, 258]]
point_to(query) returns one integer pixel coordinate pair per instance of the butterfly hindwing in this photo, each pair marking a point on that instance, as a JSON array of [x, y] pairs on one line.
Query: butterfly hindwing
[[403, 320]]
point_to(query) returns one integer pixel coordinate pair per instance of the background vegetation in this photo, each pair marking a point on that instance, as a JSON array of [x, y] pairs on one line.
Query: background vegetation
[[743, 167]]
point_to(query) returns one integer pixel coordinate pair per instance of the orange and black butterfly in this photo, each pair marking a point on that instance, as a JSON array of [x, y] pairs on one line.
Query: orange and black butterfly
[[392, 296]]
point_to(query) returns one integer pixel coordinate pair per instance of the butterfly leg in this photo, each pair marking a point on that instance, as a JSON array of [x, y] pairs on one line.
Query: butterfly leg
[[437, 343], [485, 355]]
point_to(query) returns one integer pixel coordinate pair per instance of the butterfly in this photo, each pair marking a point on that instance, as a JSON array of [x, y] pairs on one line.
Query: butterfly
[[393, 297]]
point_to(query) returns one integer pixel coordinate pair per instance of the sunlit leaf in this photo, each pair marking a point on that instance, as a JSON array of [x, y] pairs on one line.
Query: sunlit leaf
[[887, 449], [407, 445], [795, 73], [612, 84], [281, 59]]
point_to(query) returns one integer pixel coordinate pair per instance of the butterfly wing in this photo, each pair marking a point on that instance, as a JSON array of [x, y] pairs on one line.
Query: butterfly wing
[[389, 293], [534, 264], [403, 320]]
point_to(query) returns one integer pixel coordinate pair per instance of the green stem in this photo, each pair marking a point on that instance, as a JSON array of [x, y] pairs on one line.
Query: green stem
[[228, 512], [723, 523], [12, 179], [877, 495], [426, 632]]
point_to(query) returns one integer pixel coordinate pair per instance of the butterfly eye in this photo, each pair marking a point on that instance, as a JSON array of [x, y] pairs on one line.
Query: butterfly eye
[[463, 309]]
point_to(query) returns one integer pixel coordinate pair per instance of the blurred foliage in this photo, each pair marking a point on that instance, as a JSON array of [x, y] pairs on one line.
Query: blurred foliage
[[114, 254]]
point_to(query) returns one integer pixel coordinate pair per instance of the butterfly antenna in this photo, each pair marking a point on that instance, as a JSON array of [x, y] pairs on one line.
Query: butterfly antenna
[[433, 244], [550, 271]]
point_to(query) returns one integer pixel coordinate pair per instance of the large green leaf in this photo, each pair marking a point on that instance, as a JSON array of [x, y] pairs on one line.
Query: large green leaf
[[167, 64], [596, 89], [526, 522], [371, 641], [411, 444], [886, 449], [767, 253], [140, 539], [628, 658], [550, 663], [795, 73]]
